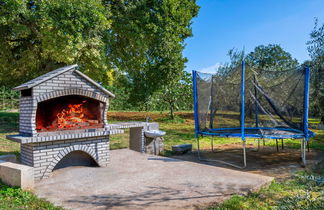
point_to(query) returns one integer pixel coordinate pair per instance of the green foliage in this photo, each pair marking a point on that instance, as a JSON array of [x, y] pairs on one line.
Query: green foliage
[[120, 102], [270, 57], [236, 57], [135, 44], [146, 41], [38, 36], [175, 95], [9, 99], [15, 198], [316, 44], [316, 52], [8, 125]]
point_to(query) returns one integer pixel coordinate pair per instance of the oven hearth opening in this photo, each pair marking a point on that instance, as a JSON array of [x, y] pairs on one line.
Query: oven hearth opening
[[69, 113]]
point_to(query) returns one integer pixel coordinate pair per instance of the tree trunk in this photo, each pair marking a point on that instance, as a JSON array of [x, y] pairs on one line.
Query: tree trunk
[[171, 111]]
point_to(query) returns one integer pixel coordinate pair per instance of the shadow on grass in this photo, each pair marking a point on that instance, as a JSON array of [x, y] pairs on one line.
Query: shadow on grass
[[9, 122], [12, 153]]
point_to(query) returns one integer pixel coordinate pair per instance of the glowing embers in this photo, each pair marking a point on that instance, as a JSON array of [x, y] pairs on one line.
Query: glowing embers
[[73, 116], [69, 113]]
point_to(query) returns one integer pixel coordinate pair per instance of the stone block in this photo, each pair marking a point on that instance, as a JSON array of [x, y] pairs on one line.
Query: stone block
[[181, 148], [14, 174]]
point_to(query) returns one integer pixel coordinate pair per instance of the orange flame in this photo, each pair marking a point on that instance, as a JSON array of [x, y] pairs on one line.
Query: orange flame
[[71, 117]]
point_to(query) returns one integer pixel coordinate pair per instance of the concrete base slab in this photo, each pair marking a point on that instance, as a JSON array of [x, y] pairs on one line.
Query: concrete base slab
[[19, 175], [137, 181]]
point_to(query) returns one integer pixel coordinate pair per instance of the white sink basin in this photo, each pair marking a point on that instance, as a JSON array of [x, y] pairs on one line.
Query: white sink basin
[[154, 133]]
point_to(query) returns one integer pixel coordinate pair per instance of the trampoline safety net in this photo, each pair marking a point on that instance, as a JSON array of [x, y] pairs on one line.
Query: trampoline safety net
[[274, 102]]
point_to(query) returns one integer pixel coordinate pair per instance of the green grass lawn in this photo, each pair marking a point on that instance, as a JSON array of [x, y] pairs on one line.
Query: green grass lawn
[[8, 125], [287, 194], [15, 198], [302, 191]]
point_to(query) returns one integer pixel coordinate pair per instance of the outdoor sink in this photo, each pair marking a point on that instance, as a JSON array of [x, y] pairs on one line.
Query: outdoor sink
[[154, 133]]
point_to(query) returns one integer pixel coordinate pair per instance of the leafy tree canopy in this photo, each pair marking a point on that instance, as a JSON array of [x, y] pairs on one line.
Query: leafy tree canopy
[[270, 57], [176, 95], [140, 40], [316, 52], [316, 44], [38, 36], [146, 41]]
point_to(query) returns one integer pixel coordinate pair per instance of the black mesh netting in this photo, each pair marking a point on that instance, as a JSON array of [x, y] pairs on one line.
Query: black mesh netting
[[274, 102]]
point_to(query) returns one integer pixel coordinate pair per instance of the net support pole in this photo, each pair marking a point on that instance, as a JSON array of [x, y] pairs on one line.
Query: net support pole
[[195, 96], [305, 118], [243, 111], [256, 103], [211, 104], [194, 86]]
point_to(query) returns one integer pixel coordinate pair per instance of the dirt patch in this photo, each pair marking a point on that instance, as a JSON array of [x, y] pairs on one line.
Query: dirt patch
[[265, 161], [140, 116]]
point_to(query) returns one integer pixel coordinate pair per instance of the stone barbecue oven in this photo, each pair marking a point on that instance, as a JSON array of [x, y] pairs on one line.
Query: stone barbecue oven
[[63, 121]]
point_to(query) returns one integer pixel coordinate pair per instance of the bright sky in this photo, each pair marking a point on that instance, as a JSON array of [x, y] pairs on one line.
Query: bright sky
[[225, 24]]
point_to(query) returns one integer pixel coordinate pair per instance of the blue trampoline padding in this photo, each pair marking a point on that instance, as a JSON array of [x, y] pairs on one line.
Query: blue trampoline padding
[[257, 132]]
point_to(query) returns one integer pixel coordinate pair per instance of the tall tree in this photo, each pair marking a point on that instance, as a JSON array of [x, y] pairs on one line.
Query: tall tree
[[146, 41], [271, 57], [316, 52], [37, 36], [176, 94], [143, 39]]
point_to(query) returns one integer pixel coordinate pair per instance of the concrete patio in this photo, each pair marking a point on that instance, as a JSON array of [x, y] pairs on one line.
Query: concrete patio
[[136, 181]]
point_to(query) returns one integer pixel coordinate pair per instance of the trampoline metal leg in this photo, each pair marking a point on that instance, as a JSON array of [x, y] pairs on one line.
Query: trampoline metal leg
[[198, 147], [303, 152], [220, 161], [301, 149], [212, 143], [244, 154], [259, 144], [277, 145]]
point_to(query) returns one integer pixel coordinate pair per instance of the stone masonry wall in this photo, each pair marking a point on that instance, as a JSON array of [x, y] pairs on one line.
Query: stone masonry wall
[[26, 118], [67, 83], [25, 154], [45, 155]]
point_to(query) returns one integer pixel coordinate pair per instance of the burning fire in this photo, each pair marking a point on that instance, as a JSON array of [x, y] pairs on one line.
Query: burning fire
[[72, 116], [68, 114]]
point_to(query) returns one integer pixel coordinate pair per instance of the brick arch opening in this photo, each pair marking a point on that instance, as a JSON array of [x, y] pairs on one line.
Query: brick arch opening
[[76, 158], [89, 152], [81, 92]]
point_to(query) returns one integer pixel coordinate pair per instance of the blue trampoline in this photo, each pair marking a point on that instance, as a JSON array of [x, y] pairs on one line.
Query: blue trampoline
[[247, 102]]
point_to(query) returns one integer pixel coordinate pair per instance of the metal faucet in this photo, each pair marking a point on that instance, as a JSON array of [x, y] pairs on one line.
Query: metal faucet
[[147, 119]]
